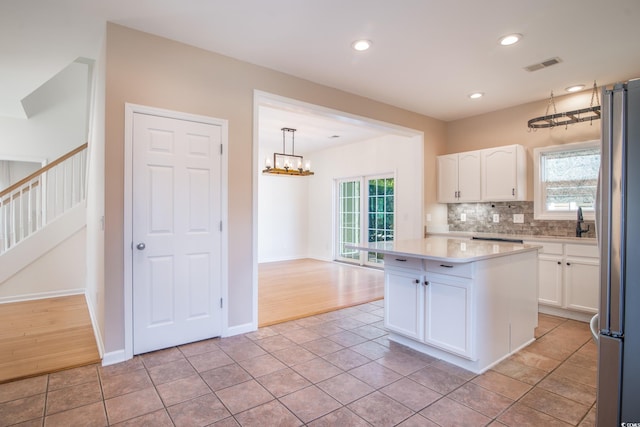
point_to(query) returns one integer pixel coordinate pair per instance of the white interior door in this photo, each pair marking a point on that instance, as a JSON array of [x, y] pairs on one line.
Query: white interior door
[[176, 232]]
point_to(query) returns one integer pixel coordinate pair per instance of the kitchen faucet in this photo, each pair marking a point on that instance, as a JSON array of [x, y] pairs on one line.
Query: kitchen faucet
[[579, 230]]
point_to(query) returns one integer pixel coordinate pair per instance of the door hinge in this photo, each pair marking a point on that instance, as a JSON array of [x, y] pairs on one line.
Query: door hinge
[[220, 302]]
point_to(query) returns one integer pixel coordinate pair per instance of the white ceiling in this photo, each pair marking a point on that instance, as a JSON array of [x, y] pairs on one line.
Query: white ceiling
[[427, 55]]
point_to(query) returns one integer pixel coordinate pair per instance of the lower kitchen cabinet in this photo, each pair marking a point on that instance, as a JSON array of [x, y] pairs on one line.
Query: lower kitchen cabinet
[[447, 314], [550, 274], [582, 282], [403, 302], [568, 279], [470, 313], [429, 307]]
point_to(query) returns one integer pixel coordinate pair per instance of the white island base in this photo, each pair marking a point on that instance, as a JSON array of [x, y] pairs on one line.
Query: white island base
[[471, 311], [476, 366]]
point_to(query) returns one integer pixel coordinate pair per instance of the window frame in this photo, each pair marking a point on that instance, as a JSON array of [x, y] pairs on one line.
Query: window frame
[[539, 204], [338, 256]]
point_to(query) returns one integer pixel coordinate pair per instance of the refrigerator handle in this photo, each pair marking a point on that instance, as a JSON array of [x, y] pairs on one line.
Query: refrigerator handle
[[604, 210], [613, 212]]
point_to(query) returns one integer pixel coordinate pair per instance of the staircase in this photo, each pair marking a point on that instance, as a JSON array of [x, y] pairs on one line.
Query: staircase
[[37, 200]]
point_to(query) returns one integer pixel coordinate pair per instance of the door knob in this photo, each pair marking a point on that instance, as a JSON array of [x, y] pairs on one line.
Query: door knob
[[141, 246]]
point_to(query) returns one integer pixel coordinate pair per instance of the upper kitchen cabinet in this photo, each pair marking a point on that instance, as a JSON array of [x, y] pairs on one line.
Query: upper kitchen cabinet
[[504, 173], [458, 177]]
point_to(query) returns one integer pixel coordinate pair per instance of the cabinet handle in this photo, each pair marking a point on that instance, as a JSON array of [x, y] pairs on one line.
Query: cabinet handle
[[417, 281], [568, 263], [513, 191], [559, 263], [426, 283], [401, 260], [458, 194], [446, 266]]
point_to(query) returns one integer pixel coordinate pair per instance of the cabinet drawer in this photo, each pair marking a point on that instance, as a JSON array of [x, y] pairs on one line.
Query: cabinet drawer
[[450, 268], [583, 250], [397, 261]]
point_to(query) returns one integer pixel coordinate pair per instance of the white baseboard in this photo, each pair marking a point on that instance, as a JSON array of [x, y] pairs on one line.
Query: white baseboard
[[94, 324], [41, 295], [280, 259], [114, 357], [240, 329], [567, 314]]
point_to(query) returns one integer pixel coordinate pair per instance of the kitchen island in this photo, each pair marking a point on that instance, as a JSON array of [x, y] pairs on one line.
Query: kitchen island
[[468, 302]]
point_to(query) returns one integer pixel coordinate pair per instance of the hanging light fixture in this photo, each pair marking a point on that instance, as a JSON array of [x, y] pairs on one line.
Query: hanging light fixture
[[287, 164], [588, 114]]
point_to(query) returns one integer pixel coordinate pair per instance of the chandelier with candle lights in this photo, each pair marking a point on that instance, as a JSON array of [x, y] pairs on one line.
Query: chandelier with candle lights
[[287, 164]]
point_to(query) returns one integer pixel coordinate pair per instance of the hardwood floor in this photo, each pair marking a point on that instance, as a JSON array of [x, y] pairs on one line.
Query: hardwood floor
[[289, 290], [49, 335], [45, 336]]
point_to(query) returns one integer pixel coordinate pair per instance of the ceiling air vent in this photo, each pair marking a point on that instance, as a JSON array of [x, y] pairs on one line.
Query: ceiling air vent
[[543, 64]]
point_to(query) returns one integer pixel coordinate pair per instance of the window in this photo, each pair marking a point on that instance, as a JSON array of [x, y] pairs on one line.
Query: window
[[381, 215], [565, 179], [348, 219], [363, 218]]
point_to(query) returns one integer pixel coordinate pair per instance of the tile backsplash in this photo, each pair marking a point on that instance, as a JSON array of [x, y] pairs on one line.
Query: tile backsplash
[[479, 218]]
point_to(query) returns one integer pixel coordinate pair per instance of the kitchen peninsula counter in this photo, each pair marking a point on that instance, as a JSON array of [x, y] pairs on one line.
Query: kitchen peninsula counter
[[448, 249], [468, 302]]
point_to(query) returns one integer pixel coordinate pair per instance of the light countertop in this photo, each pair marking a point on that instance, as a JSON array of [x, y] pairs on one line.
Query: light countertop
[[526, 238], [447, 249]]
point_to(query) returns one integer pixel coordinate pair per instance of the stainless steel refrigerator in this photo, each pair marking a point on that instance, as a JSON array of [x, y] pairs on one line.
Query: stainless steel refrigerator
[[618, 225]]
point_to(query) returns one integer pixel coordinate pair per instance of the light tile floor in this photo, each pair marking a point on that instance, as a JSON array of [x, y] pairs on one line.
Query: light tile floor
[[334, 369]]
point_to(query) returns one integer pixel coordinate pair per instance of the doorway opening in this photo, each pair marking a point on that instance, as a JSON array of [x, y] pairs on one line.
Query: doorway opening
[[296, 217]]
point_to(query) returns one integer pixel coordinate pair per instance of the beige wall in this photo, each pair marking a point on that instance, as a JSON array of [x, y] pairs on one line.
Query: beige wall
[[509, 126], [148, 70]]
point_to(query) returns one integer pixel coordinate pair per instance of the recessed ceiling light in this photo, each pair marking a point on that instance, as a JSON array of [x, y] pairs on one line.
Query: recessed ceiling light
[[476, 95], [574, 88], [510, 39], [361, 45]]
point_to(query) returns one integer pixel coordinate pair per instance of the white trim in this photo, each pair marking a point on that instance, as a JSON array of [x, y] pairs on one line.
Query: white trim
[[261, 98], [42, 295], [539, 212], [129, 111], [94, 324], [240, 329], [114, 357], [565, 313], [335, 224]]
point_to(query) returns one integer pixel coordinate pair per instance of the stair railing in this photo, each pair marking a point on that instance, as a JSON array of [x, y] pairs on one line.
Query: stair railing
[[35, 201]]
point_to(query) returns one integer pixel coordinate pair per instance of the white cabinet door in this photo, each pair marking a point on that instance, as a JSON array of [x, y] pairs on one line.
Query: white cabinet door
[[447, 178], [403, 302], [550, 280], [582, 287], [469, 176], [448, 314], [503, 173]]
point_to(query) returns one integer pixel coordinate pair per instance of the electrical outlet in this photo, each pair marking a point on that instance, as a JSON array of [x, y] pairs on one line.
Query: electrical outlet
[[463, 217], [496, 218], [518, 218]]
